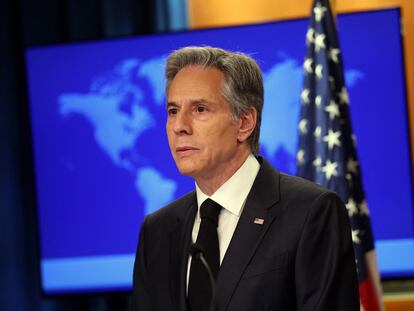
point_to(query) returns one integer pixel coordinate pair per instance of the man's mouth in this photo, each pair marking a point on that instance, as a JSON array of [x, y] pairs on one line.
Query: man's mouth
[[185, 150]]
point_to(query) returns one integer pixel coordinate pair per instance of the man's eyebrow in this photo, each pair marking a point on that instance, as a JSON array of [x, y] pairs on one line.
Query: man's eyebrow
[[170, 104], [199, 101], [192, 102]]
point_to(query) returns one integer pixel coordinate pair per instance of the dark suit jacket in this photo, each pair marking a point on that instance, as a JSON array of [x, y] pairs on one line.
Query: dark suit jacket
[[301, 258]]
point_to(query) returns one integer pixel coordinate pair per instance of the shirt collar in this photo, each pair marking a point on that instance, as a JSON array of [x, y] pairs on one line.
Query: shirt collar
[[233, 193]]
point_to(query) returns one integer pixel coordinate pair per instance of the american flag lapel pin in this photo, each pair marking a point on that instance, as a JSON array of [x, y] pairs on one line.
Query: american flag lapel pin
[[259, 221]]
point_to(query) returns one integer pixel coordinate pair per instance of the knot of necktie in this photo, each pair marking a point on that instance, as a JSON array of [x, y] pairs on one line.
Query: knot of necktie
[[210, 210]]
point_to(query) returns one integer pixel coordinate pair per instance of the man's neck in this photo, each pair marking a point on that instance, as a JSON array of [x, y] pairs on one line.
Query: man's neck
[[211, 184]]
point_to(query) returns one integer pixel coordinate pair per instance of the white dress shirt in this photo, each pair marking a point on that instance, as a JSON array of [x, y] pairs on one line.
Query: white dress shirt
[[232, 197]]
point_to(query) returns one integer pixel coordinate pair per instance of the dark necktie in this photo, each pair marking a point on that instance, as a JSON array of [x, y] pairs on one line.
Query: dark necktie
[[199, 288]]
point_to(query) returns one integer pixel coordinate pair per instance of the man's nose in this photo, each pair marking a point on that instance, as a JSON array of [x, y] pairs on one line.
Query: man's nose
[[182, 124]]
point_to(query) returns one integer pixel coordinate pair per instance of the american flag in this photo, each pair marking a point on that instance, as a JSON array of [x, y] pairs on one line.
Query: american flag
[[326, 152]]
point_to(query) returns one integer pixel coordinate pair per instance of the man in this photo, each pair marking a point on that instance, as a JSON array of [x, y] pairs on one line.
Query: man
[[277, 242]]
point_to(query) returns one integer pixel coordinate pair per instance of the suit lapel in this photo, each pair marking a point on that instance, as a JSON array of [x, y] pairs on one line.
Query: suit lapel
[[180, 241], [248, 234]]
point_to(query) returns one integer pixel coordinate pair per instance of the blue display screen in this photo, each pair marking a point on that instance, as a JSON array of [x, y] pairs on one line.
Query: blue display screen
[[101, 155]]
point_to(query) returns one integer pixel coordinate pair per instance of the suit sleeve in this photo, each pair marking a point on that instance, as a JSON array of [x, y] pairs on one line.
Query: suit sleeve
[[140, 295], [325, 271]]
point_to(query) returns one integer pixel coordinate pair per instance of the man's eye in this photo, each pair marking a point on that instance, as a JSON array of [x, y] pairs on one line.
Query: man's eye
[[172, 111], [201, 109]]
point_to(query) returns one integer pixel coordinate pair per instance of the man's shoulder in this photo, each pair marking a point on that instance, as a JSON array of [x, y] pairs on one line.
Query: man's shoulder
[[174, 210], [297, 193], [300, 195], [299, 185], [293, 187]]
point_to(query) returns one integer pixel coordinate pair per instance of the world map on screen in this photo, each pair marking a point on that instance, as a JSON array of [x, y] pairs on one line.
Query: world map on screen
[[124, 103]]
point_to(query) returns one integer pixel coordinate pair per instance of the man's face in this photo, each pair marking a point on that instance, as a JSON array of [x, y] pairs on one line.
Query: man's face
[[201, 132]]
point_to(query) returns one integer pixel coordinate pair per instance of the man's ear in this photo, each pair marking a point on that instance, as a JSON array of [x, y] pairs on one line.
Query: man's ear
[[247, 124]]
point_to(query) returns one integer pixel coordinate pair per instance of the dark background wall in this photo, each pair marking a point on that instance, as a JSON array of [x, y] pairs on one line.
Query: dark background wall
[[23, 24]]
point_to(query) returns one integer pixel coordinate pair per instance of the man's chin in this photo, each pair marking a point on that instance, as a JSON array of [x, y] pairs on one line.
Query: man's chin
[[186, 171]]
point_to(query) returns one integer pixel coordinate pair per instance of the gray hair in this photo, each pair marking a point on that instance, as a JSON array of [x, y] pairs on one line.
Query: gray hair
[[243, 81]]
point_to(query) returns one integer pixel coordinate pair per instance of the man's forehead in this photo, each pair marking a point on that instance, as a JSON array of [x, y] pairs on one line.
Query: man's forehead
[[196, 79]]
